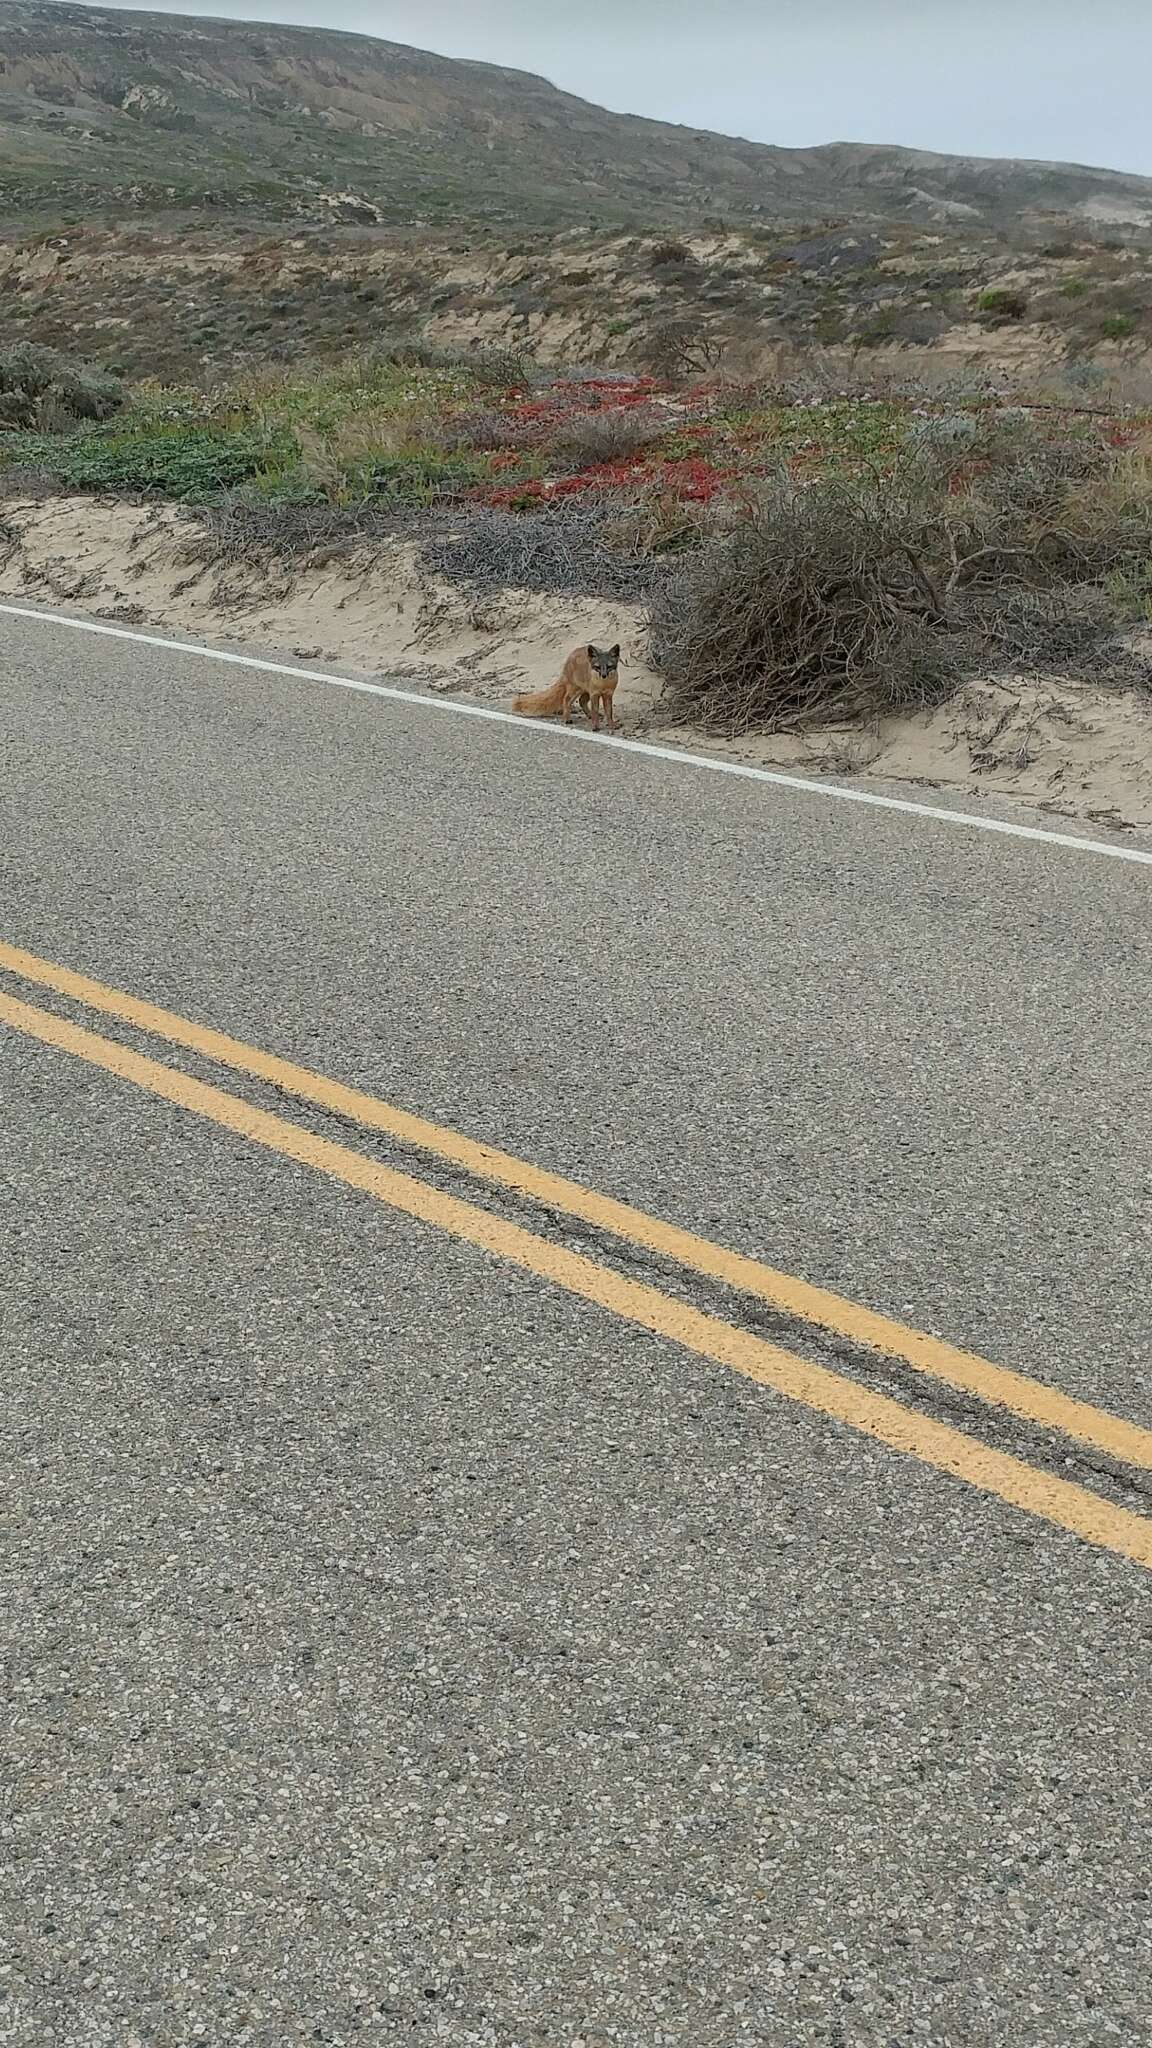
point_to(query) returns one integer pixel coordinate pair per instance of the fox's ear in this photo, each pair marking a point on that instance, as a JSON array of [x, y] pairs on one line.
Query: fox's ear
[[616, 652], [591, 652]]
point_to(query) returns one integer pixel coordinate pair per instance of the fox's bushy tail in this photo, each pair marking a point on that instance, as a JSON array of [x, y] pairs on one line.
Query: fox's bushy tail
[[543, 704]]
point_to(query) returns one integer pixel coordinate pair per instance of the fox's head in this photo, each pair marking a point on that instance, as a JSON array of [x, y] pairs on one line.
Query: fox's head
[[605, 660]]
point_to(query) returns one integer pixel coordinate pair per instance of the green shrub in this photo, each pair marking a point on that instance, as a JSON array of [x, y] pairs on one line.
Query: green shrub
[[879, 327], [1002, 303], [1118, 326], [40, 387], [830, 326], [1083, 375], [1130, 590], [190, 464]]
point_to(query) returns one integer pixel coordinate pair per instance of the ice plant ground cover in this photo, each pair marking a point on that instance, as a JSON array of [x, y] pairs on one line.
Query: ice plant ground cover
[[378, 432]]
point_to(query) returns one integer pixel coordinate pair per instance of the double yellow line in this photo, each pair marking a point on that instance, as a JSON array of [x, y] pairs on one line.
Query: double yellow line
[[1036, 1492]]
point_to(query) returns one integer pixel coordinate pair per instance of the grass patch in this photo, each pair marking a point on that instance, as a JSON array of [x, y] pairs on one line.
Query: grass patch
[[352, 431], [191, 465]]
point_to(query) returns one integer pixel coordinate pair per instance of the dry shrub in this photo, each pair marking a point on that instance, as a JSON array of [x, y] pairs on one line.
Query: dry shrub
[[657, 522], [849, 599], [1108, 519], [1071, 513], [1067, 629], [477, 427], [326, 459], [53, 414], [679, 349], [588, 438], [569, 548], [238, 528], [797, 376], [1000, 453], [815, 607], [501, 368]]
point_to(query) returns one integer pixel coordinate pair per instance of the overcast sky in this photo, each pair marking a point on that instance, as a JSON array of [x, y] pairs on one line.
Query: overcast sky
[[1067, 79]]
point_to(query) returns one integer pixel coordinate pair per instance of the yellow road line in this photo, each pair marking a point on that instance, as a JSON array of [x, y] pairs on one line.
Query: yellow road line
[[964, 1370], [1054, 1500]]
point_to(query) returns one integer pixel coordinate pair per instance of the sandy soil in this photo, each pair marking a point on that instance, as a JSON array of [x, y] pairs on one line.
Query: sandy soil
[[1058, 745], [375, 609]]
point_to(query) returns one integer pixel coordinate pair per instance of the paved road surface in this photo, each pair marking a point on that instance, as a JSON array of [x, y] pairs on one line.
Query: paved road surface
[[402, 1646]]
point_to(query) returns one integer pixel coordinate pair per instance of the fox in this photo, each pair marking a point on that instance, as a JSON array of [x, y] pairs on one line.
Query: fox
[[589, 677]]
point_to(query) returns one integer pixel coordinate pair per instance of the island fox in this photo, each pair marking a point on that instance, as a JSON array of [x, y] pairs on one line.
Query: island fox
[[589, 676]]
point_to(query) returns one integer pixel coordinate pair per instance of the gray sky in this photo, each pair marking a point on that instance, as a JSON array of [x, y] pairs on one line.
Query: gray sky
[[1068, 79]]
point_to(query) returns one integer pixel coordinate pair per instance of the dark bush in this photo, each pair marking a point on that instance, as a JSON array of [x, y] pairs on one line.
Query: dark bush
[[41, 388], [1001, 303]]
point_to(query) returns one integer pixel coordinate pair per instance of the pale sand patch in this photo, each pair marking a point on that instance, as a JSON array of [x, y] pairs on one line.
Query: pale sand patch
[[1063, 746]]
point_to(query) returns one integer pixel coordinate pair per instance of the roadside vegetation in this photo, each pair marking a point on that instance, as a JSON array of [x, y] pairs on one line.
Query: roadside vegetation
[[826, 546]]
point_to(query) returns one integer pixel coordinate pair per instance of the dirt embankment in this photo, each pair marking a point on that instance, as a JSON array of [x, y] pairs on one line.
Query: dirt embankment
[[1063, 746], [374, 608]]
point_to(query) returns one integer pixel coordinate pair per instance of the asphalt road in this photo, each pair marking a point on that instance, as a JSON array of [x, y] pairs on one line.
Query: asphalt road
[[398, 1646]]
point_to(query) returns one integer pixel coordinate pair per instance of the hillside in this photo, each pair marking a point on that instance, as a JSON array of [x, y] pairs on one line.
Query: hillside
[[187, 303], [107, 116]]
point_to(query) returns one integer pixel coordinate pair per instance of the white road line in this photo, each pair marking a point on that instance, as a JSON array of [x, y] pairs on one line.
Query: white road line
[[681, 759]]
